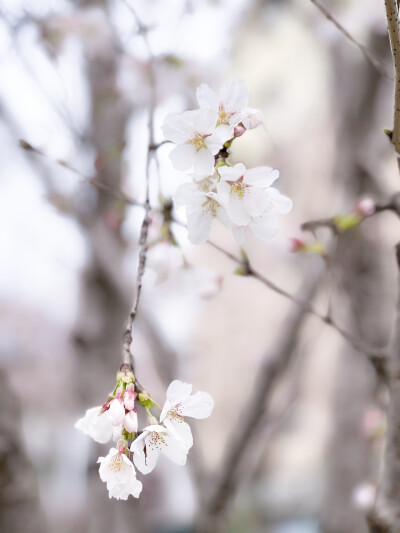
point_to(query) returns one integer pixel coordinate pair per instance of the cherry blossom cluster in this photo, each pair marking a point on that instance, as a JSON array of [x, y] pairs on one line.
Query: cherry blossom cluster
[[117, 419], [242, 199]]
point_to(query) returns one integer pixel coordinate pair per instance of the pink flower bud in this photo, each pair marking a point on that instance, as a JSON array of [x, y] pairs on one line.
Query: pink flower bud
[[296, 245], [238, 130], [365, 206], [129, 399], [116, 412], [131, 421]]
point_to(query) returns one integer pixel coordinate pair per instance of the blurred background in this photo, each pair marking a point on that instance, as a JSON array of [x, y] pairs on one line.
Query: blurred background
[[77, 78]]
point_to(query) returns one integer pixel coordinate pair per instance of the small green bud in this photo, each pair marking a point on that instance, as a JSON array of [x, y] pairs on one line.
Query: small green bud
[[345, 222]]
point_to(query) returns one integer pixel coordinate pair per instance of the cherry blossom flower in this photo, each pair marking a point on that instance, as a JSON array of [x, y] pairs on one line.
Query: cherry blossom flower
[[154, 440], [119, 473], [229, 103], [201, 209], [181, 403], [198, 139], [249, 200], [251, 118], [96, 424]]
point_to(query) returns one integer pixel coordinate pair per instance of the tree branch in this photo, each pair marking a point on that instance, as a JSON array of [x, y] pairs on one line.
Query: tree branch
[[392, 15]]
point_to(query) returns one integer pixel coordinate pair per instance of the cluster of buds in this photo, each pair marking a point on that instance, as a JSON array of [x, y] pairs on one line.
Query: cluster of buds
[[117, 419], [242, 199]]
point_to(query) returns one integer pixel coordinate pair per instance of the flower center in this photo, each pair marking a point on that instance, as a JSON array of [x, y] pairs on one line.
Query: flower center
[[156, 440], [238, 188], [223, 116], [198, 141], [210, 206], [116, 463], [176, 413]]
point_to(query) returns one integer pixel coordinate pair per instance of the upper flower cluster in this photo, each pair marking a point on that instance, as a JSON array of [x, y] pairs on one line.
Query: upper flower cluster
[[242, 199], [117, 419]]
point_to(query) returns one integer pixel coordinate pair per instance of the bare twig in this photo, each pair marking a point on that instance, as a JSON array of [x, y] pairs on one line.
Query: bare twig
[[392, 15], [372, 60]]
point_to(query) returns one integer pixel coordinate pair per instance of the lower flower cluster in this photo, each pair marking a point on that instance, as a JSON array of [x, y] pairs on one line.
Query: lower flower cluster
[[117, 419]]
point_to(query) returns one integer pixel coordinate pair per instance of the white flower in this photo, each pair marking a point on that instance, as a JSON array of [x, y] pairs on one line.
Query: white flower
[[131, 421], [154, 440], [201, 208], [116, 411], [229, 103], [180, 403], [249, 200], [198, 139], [96, 423], [119, 473]]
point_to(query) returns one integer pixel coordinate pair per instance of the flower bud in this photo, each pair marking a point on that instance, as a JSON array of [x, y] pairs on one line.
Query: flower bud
[[239, 130], [129, 398], [122, 444], [116, 412], [131, 422], [365, 206], [152, 420], [296, 245], [144, 396]]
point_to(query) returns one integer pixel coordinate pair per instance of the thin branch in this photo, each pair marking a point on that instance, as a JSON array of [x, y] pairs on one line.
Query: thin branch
[[372, 60], [392, 15], [143, 244]]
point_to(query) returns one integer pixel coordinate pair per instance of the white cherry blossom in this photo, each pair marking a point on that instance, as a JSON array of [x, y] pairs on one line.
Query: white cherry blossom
[[251, 118], [229, 103], [249, 200], [181, 403], [96, 424], [198, 139], [154, 440], [202, 207], [119, 473]]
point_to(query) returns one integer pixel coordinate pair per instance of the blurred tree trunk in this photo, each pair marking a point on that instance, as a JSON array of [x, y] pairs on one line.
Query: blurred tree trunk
[[361, 263], [20, 507]]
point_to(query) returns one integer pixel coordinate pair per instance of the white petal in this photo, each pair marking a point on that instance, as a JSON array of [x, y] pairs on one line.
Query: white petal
[[182, 431], [183, 156], [199, 405], [95, 425], [206, 97], [256, 201], [144, 461], [178, 128], [116, 412], [199, 225], [117, 430], [251, 118], [281, 204], [217, 139], [203, 162], [265, 227], [234, 95], [206, 121], [232, 173], [174, 449], [178, 391], [261, 176], [236, 211], [239, 232]]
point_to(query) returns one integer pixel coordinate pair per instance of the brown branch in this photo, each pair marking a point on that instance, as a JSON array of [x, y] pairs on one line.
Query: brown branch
[[385, 517], [372, 60], [392, 15]]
